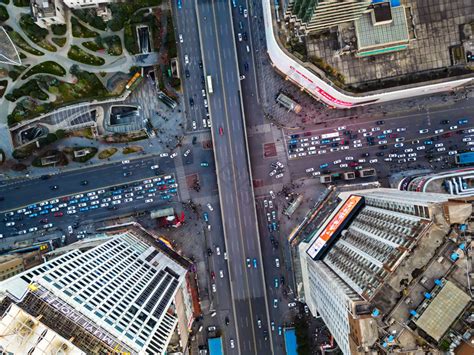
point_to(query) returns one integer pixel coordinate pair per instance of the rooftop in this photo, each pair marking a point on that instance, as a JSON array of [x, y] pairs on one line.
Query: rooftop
[[443, 310], [370, 35]]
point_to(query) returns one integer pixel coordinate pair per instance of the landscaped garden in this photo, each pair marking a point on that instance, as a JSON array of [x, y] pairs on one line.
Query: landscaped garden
[[36, 33], [46, 68], [80, 31], [79, 55], [107, 153], [20, 42]]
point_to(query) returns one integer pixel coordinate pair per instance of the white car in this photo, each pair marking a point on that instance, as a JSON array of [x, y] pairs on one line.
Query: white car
[[186, 153], [341, 128], [194, 125], [438, 131], [373, 161], [400, 139], [343, 166], [439, 145], [33, 229], [214, 289], [421, 147], [125, 161], [55, 209], [403, 129], [128, 200], [398, 145], [349, 158], [265, 203], [358, 145], [49, 225], [23, 210], [164, 155], [116, 202], [411, 159], [362, 130], [218, 251], [82, 204], [408, 150], [210, 207], [186, 59], [174, 155], [382, 142], [442, 149], [387, 131], [149, 200], [452, 128], [316, 173], [375, 129], [335, 162], [452, 152], [181, 40], [239, 36], [423, 131], [71, 212], [412, 155], [79, 196], [367, 134], [361, 161], [10, 224], [246, 13], [221, 274], [291, 304], [322, 151], [273, 172], [153, 167], [279, 176], [309, 170], [204, 123], [232, 344], [467, 139], [106, 204]]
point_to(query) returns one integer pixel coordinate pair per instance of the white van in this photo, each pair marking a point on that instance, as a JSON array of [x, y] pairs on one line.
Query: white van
[[248, 49]]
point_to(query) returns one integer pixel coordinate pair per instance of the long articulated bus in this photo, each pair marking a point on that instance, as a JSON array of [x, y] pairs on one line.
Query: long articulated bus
[[209, 84], [330, 135]]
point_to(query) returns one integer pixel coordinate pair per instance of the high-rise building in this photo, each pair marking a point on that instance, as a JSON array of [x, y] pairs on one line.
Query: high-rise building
[[316, 15], [363, 270], [116, 296]]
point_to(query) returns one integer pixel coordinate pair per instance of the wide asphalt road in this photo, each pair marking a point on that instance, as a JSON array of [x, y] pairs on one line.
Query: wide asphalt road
[[235, 185]]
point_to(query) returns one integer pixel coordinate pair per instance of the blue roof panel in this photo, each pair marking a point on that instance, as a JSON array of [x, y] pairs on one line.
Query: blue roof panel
[[290, 342]]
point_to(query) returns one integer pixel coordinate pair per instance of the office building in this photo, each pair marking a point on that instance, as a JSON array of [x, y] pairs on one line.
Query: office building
[[116, 296], [381, 255], [11, 265], [317, 15]]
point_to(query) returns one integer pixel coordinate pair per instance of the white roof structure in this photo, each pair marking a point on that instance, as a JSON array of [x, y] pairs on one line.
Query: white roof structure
[[8, 52]]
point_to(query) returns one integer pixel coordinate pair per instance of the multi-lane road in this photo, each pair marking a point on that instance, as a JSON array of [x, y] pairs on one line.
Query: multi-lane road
[[250, 312]]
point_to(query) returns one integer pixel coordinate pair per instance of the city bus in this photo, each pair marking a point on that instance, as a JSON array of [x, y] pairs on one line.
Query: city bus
[[330, 135], [209, 84]]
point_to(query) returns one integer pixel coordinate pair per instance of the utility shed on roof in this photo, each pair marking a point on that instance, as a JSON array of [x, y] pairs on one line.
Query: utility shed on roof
[[164, 212], [443, 310]]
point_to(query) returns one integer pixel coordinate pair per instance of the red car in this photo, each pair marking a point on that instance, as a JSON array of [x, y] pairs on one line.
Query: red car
[[65, 199], [58, 214], [393, 135], [213, 275], [162, 187], [221, 131], [353, 163], [44, 220]]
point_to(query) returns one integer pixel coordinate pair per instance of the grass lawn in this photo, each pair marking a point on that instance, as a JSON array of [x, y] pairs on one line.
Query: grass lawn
[[47, 68], [83, 159], [107, 153], [132, 149], [22, 44], [79, 55], [21, 3], [59, 41], [80, 31]]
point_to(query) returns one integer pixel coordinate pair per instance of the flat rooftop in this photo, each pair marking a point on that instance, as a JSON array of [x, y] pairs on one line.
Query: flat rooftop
[[443, 310], [370, 36]]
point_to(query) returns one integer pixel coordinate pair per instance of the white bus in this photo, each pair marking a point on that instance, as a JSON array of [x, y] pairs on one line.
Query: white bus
[[209, 84], [330, 135]]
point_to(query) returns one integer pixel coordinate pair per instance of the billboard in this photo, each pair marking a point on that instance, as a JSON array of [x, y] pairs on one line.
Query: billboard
[[335, 226]]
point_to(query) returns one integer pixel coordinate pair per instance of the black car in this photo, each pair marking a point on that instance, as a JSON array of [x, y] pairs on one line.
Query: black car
[[445, 122], [383, 146], [365, 154], [200, 64], [227, 321], [335, 144], [54, 187], [380, 154], [209, 251], [84, 182], [191, 101], [44, 177], [187, 73], [246, 66], [244, 36], [380, 122], [127, 173], [194, 140]]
